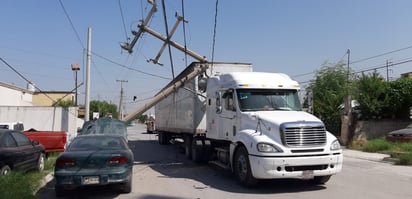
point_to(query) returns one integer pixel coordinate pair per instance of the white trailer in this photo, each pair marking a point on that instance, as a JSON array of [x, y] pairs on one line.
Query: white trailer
[[249, 122]]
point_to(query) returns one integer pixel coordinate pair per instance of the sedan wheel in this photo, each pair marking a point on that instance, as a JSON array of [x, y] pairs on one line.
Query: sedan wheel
[[40, 162], [5, 170], [127, 187]]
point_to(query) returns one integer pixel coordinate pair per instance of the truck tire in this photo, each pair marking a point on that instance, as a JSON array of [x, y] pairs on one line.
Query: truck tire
[[188, 146], [163, 138], [5, 170], [207, 150], [241, 167], [197, 150], [40, 162], [321, 179]]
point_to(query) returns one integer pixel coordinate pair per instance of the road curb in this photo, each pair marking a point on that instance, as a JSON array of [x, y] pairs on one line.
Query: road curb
[[377, 157]]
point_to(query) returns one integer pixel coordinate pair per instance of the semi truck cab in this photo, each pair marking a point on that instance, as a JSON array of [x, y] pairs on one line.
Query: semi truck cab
[[258, 121]]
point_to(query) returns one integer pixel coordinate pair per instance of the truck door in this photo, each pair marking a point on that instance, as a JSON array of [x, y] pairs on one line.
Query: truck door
[[227, 116]]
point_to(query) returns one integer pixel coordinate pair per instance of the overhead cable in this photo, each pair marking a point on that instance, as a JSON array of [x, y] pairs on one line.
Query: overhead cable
[[168, 38], [133, 69], [71, 24]]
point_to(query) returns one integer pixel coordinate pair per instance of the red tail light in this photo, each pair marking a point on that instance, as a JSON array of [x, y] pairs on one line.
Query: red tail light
[[118, 160], [65, 162]]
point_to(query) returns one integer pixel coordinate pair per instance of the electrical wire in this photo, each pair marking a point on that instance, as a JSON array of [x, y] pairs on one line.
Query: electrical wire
[[184, 31], [214, 35], [362, 60], [387, 53], [71, 24], [133, 69], [124, 25], [168, 38], [25, 79]]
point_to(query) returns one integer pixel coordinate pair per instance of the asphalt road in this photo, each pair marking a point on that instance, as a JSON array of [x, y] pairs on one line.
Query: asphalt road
[[163, 172]]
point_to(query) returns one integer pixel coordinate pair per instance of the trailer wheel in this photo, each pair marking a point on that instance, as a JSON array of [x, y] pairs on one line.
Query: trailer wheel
[[163, 138], [242, 168], [188, 146], [321, 179], [197, 150], [207, 150]]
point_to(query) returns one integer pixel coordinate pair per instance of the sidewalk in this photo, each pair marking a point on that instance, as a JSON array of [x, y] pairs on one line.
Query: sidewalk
[[377, 157]]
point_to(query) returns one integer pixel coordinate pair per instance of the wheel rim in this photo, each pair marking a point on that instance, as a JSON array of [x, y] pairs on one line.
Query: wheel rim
[[242, 167], [5, 171], [41, 163]]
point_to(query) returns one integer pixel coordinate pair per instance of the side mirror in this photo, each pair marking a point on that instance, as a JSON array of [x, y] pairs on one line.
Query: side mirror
[[218, 109], [35, 142]]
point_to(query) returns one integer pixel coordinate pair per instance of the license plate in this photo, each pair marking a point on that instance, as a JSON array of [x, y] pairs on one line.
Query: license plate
[[91, 180], [307, 174]]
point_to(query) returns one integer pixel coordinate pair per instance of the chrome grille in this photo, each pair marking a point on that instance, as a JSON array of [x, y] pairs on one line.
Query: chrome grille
[[307, 134]]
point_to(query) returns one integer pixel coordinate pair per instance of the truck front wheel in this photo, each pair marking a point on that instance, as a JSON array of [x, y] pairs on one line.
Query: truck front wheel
[[242, 168]]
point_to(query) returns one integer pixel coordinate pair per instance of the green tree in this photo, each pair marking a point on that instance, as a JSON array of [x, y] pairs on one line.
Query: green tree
[[64, 103], [371, 95], [103, 108], [400, 98], [329, 90]]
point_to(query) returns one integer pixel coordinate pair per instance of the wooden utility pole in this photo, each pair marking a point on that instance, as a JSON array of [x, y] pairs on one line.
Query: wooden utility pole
[[346, 117], [121, 99]]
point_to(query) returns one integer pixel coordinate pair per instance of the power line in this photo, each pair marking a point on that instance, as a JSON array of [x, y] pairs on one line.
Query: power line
[[168, 38], [124, 25], [184, 31], [361, 60], [71, 24], [214, 32], [390, 52], [133, 69]]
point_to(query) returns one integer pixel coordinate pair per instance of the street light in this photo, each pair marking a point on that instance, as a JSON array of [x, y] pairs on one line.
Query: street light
[[75, 68]]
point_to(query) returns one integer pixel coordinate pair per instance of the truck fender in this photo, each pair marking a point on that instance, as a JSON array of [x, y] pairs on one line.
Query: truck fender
[[244, 138]]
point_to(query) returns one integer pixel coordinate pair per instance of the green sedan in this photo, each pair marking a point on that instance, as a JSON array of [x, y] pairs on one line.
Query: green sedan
[[94, 160]]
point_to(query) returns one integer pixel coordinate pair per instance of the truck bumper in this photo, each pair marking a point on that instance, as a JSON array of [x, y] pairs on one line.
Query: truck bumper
[[295, 167]]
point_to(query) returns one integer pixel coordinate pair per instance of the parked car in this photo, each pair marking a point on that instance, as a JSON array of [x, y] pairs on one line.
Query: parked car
[[104, 125], [19, 153], [94, 160], [404, 135]]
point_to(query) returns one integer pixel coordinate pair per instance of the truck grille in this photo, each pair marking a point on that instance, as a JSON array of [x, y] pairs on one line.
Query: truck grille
[[307, 134]]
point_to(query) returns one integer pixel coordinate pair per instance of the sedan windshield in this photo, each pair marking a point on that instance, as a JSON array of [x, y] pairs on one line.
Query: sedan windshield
[[90, 143], [268, 100]]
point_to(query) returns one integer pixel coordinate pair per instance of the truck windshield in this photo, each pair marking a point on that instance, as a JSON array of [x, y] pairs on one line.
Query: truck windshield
[[268, 100]]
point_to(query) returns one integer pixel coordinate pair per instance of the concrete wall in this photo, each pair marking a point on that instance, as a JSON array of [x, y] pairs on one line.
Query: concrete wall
[[43, 118], [377, 128]]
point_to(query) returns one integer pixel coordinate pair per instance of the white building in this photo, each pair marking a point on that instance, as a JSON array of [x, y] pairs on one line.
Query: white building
[[15, 96]]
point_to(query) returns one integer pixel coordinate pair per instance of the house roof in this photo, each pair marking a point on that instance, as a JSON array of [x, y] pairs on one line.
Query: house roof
[[6, 85]]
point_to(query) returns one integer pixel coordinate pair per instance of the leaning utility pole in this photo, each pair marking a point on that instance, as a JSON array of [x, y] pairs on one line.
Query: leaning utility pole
[[121, 99]]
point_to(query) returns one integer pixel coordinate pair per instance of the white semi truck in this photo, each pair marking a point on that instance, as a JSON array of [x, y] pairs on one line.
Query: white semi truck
[[249, 122]]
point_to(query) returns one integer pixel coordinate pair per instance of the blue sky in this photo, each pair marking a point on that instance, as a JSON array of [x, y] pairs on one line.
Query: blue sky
[[292, 36]]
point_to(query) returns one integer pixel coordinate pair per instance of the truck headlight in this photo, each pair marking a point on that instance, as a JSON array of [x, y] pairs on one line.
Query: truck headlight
[[268, 148], [335, 145]]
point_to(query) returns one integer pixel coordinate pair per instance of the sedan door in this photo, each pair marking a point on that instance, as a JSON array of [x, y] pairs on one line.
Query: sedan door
[[28, 155]]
